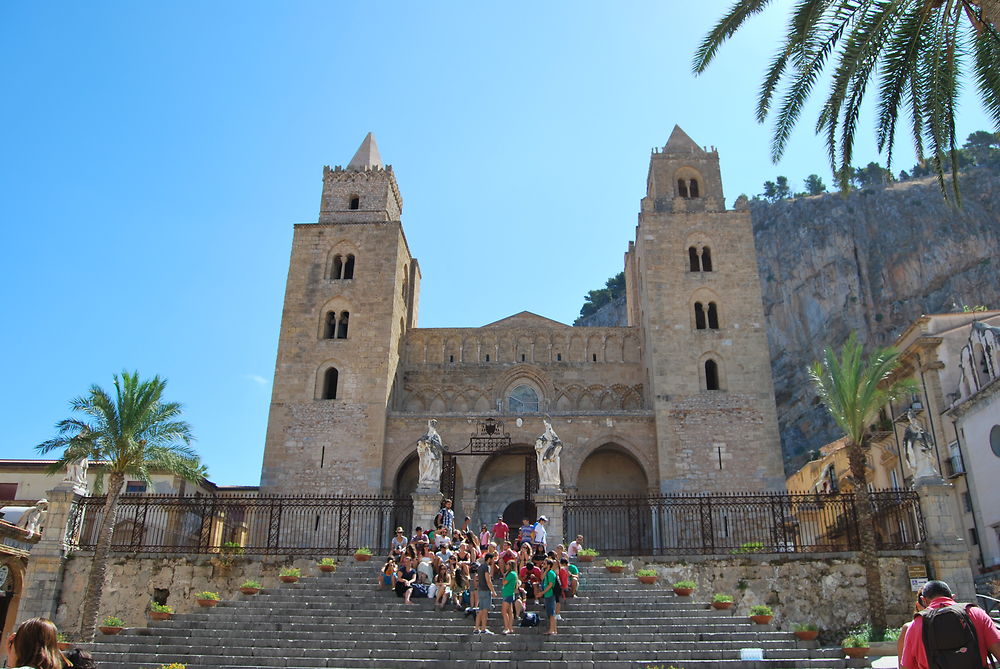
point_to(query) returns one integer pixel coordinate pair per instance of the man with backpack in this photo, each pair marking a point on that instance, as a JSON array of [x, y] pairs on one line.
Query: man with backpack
[[948, 635]]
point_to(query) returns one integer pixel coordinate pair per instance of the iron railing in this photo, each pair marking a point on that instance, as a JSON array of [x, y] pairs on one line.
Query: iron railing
[[289, 525], [739, 523]]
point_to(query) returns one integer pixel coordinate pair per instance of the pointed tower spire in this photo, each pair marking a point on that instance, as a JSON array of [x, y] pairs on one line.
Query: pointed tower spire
[[680, 142], [367, 156]]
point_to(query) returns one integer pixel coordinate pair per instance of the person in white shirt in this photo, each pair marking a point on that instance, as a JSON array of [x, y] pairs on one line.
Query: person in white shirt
[[538, 534], [575, 546]]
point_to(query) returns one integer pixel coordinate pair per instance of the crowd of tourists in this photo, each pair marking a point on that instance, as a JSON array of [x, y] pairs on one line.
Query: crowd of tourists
[[469, 571]]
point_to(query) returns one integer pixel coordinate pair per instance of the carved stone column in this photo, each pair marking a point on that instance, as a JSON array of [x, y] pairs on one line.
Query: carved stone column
[[43, 577], [945, 548], [549, 503], [426, 504]]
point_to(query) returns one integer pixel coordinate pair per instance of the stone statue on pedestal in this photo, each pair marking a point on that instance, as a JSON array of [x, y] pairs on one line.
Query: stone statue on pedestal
[[76, 473], [919, 452], [32, 519], [548, 446], [430, 450]]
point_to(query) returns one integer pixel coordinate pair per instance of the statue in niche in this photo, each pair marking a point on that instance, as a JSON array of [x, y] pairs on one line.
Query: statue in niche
[[919, 452], [32, 518], [548, 446], [76, 473], [431, 451]]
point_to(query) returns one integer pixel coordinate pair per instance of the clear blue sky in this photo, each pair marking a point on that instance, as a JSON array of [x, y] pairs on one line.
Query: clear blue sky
[[156, 155]]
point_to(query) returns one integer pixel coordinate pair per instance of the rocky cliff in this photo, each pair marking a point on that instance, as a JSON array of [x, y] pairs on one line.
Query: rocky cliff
[[871, 261]]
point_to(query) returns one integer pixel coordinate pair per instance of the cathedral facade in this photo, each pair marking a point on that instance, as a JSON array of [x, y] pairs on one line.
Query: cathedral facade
[[678, 400]]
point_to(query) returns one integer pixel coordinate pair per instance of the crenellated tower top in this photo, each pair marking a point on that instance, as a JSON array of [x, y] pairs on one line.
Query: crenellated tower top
[[363, 192], [684, 176]]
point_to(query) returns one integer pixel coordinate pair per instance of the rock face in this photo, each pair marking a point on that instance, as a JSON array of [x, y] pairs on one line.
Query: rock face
[[871, 262]]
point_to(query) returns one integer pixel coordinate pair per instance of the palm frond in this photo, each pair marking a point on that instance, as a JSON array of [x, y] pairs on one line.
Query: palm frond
[[987, 72], [724, 29]]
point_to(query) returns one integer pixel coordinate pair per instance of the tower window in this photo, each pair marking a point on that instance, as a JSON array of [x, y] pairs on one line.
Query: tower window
[[706, 259], [558, 357], [330, 384], [693, 188], [451, 358], [593, 357], [522, 357], [349, 267], [699, 316], [711, 375], [713, 316], [330, 325], [355, 202], [693, 259], [337, 269], [487, 357], [682, 189], [342, 325]]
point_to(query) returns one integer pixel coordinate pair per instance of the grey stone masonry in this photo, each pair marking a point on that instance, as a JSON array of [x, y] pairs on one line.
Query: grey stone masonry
[[340, 620]]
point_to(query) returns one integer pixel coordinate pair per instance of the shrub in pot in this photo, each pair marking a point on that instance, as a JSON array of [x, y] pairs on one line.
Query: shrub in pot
[[761, 614], [614, 566], [160, 611], [363, 554], [586, 554], [684, 588], [646, 575], [207, 598], [855, 645], [806, 631], [250, 587], [720, 601], [112, 625], [327, 564], [290, 574], [63, 641]]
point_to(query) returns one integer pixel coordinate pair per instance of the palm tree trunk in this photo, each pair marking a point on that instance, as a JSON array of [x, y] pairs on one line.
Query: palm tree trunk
[[99, 566], [866, 537]]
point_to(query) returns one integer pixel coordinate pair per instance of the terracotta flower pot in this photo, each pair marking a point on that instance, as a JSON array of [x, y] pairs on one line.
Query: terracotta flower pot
[[615, 570], [209, 603], [160, 615], [362, 557], [683, 592], [807, 635], [585, 558], [722, 605], [64, 645], [249, 591], [329, 567], [289, 579], [762, 620], [647, 579], [110, 630], [856, 652]]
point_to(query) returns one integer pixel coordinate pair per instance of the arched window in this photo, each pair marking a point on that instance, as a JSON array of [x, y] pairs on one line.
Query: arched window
[[330, 384], [355, 202], [337, 269], [699, 316], [330, 325], [693, 259], [706, 259], [682, 189], [522, 399], [713, 316], [711, 375], [342, 325], [693, 187], [349, 267]]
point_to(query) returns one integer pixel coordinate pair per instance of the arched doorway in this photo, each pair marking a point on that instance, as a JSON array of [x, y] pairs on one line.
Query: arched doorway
[[506, 487], [611, 470]]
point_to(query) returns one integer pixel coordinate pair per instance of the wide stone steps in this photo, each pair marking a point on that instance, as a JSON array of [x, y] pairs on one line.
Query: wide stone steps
[[339, 620]]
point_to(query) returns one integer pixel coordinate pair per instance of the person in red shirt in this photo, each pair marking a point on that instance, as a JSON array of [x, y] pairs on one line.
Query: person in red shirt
[[530, 577], [507, 554], [500, 530], [934, 595]]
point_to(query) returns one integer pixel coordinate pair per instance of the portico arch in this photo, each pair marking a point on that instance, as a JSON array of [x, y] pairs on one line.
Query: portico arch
[[506, 485], [408, 475], [573, 459], [611, 470]]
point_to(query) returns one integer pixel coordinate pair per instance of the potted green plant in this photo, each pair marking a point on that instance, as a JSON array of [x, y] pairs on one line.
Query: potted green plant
[[806, 631], [63, 641], [112, 625], [250, 587], [290, 574], [720, 601], [160, 611], [614, 566], [363, 554], [761, 614], [327, 564], [207, 599], [684, 588], [173, 665], [647, 576], [586, 554], [855, 645]]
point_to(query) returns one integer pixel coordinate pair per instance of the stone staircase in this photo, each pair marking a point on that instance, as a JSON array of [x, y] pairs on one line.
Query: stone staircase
[[339, 620]]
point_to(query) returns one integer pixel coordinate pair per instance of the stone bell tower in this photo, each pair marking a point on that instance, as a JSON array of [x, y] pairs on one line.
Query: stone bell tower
[[351, 294], [693, 287]]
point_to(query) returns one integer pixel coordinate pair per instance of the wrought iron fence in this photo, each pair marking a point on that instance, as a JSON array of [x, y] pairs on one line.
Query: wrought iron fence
[[259, 524], [739, 523]]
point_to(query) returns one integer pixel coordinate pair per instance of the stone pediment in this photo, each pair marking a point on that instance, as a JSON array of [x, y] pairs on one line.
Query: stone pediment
[[526, 319]]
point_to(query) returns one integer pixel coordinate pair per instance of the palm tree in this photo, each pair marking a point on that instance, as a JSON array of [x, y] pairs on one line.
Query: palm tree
[[853, 390], [135, 432], [916, 50]]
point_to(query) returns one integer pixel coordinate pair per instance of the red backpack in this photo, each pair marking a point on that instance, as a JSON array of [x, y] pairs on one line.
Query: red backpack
[[950, 639]]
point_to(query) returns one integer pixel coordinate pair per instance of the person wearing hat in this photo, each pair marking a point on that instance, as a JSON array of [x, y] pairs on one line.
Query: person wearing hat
[[538, 535], [500, 530]]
